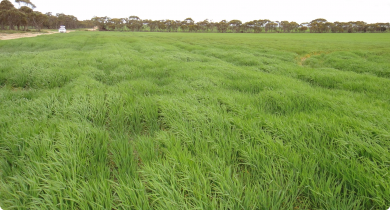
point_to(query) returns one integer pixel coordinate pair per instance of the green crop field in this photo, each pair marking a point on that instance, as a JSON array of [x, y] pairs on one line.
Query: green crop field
[[111, 120]]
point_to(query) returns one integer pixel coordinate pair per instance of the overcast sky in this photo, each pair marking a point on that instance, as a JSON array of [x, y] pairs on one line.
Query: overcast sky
[[245, 10]]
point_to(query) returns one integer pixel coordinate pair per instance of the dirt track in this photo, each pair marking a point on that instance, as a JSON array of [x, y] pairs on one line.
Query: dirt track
[[4, 36]]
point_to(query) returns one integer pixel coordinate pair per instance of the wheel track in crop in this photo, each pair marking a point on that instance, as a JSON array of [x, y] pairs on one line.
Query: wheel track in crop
[[301, 60]]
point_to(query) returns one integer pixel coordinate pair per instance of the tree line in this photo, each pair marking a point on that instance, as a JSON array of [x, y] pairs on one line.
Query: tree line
[[25, 18], [320, 25]]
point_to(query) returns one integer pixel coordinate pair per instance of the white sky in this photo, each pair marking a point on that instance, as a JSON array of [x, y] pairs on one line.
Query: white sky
[[245, 10]]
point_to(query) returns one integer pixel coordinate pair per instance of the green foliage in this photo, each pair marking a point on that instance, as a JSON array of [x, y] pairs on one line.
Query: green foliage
[[26, 2], [25, 18], [195, 121]]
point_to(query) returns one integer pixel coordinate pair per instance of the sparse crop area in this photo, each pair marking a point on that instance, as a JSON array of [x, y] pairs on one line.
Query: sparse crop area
[[111, 120]]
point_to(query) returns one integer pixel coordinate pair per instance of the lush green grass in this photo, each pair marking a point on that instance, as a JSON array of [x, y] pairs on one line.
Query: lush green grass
[[110, 120]]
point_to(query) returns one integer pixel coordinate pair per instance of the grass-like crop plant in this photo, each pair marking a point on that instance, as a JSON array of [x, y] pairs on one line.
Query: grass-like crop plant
[[96, 120]]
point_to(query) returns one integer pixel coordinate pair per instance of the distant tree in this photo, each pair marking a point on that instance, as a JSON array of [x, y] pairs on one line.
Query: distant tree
[[38, 19], [203, 25], [134, 23], [27, 3], [147, 23], [6, 5], [210, 26], [187, 24], [346, 27], [248, 26], [222, 26], [101, 22], [382, 27], [302, 29], [319, 25], [193, 28], [161, 25], [271, 26], [7, 9], [362, 26], [26, 21], [26, 17], [189, 21], [115, 23], [277, 27], [370, 28], [61, 19], [260, 25], [178, 24], [257, 26], [334, 27], [183, 27], [285, 26], [85, 24], [153, 24], [51, 21], [235, 25], [172, 25], [11, 15], [294, 26]]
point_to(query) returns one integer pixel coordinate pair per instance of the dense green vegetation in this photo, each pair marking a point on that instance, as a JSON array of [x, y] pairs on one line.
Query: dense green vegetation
[[97, 120]]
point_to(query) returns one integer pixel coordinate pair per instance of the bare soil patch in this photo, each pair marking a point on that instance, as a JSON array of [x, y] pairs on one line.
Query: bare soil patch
[[4, 36], [93, 29]]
